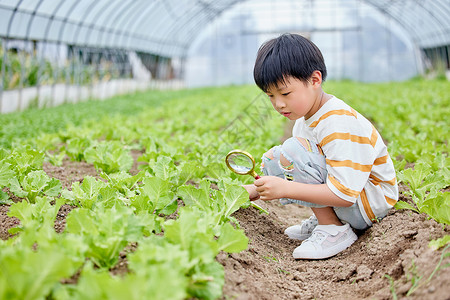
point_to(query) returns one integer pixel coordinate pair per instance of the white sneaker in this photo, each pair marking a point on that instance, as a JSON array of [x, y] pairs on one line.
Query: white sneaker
[[302, 231], [326, 241]]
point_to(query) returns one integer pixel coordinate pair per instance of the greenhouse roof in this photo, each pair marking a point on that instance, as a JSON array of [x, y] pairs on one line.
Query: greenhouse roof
[[169, 26]]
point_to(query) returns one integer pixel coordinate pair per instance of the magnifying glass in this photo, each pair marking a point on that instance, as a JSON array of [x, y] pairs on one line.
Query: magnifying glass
[[241, 162]]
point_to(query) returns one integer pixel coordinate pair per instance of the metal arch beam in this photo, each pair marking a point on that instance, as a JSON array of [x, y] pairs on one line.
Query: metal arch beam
[[191, 13], [118, 20], [441, 25], [156, 27], [176, 26], [112, 17], [405, 23], [159, 26], [33, 14], [443, 10], [120, 34], [90, 10], [138, 19], [437, 23], [141, 5], [8, 30], [406, 28], [218, 12], [209, 17], [92, 25], [16, 8], [400, 22], [435, 20], [65, 19], [143, 37]]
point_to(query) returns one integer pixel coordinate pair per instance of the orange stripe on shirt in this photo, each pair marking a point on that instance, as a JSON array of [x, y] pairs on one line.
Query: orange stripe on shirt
[[343, 189], [381, 160], [367, 207], [373, 137], [377, 181], [338, 112], [350, 164], [390, 201], [346, 136]]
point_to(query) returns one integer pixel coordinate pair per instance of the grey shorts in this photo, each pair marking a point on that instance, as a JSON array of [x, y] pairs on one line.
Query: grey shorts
[[307, 166]]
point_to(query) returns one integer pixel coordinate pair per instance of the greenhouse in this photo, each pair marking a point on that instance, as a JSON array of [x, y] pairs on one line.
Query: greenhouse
[[137, 137]]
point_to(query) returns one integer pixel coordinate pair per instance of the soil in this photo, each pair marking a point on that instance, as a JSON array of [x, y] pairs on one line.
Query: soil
[[396, 247]]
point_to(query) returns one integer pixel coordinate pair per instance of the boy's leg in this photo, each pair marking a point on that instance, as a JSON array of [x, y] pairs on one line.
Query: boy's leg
[[326, 216], [304, 162]]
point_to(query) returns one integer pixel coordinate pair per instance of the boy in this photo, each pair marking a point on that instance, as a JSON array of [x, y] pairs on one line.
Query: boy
[[335, 162]]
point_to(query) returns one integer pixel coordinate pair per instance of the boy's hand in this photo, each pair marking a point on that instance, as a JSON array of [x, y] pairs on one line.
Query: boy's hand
[[270, 187], [252, 193]]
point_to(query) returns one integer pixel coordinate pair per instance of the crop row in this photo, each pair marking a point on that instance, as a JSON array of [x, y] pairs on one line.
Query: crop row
[[174, 214], [176, 210]]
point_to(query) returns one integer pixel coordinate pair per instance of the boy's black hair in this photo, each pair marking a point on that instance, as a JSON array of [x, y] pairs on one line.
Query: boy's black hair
[[287, 55]]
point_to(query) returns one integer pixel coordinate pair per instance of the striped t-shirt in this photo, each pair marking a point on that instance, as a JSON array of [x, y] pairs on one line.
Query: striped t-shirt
[[358, 164]]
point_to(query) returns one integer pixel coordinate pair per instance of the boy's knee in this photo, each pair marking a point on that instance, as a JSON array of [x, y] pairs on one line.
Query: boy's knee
[[269, 154], [304, 142], [295, 145], [284, 161], [292, 146]]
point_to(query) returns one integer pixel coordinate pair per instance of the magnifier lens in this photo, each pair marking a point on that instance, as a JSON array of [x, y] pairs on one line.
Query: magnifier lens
[[240, 163]]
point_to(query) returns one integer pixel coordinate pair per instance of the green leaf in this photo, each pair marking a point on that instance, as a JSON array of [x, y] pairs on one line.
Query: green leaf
[[109, 156], [194, 196], [26, 160], [85, 194], [438, 207], [53, 188], [233, 198], [164, 167], [31, 274], [158, 192], [439, 243], [6, 173], [38, 183], [405, 205], [142, 203], [106, 231], [33, 216], [232, 240], [4, 198], [57, 158], [15, 188], [187, 171], [208, 281], [416, 176], [193, 232], [76, 146]]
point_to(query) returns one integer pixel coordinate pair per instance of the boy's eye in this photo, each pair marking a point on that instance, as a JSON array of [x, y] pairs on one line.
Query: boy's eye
[[285, 94]]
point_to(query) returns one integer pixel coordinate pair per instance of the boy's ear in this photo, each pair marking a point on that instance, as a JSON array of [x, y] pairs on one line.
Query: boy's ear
[[316, 78]]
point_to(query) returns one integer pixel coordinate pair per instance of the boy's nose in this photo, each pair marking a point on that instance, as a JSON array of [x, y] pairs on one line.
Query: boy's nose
[[279, 103]]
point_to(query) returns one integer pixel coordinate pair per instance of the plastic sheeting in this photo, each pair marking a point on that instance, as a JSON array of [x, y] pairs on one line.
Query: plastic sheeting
[[167, 27]]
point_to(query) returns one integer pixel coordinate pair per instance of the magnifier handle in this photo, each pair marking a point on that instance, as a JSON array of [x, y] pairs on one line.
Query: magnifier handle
[[257, 177]]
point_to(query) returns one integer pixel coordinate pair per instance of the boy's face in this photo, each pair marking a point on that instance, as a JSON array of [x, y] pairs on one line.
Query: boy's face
[[295, 99]]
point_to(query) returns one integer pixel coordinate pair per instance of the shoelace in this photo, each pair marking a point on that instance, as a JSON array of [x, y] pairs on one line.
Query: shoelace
[[317, 237]]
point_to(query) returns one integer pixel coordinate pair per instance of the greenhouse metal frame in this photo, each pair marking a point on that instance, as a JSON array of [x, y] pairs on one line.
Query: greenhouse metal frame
[[99, 35]]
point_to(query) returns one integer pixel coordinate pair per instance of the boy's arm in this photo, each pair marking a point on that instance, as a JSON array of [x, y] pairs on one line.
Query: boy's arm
[[271, 187]]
